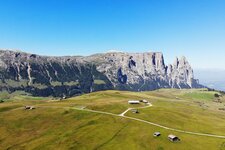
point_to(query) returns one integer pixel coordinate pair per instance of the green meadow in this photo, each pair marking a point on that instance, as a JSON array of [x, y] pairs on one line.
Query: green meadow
[[59, 124]]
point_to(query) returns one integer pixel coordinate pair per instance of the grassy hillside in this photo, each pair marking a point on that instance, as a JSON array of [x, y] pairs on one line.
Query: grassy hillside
[[56, 124]]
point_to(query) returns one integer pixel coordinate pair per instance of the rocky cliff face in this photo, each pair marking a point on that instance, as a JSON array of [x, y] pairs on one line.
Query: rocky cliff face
[[71, 75], [144, 71]]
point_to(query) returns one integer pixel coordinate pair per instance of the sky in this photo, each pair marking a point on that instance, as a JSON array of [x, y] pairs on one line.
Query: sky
[[191, 28]]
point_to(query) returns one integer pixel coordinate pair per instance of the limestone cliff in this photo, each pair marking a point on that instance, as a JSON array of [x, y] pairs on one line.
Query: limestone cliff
[[72, 75], [144, 71]]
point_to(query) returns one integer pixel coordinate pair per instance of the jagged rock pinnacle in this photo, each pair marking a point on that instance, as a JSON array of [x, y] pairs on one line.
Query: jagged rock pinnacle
[[71, 75]]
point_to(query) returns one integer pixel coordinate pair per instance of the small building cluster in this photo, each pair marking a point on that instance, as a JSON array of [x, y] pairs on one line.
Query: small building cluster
[[29, 107], [171, 137], [137, 102]]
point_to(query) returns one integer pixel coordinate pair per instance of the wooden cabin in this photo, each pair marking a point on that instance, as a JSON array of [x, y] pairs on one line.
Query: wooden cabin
[[173, 138], [157, 134]]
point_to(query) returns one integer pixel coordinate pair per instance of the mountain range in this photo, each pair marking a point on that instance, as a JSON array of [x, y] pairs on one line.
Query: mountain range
[[74, 75]]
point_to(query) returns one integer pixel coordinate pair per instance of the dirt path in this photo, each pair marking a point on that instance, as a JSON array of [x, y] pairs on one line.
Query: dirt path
[[148, 105], [155, 124], [122, 114], [140, 120]]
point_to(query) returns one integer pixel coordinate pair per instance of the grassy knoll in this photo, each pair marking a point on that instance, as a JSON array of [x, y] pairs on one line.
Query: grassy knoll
[[62, 127]]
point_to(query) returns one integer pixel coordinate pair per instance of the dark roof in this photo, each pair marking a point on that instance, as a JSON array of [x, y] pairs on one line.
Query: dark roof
[[157, 133], [172, 136]]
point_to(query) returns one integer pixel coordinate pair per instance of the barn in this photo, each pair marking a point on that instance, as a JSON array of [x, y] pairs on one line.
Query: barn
[[173, 138]]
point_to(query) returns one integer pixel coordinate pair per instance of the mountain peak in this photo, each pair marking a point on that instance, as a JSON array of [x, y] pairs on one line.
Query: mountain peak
[[72, 75]]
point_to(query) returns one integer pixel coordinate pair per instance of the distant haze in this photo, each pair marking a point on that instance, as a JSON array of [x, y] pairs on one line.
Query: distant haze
[[213, 78]]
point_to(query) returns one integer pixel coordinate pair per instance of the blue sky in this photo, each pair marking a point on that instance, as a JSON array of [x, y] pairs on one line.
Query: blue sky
[[193, 28]]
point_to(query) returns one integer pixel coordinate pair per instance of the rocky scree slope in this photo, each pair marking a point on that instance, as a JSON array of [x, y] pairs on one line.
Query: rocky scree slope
[[74, 75]]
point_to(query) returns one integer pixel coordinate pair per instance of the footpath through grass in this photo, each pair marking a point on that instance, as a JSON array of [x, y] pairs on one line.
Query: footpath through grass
[[64, 128]]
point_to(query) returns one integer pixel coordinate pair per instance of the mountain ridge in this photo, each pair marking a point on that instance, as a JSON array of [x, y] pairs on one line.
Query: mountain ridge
[[74, 75]]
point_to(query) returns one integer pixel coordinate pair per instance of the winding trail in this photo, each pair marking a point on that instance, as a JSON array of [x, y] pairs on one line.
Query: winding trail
[[148, 105], [154, 124], [140, 120]]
